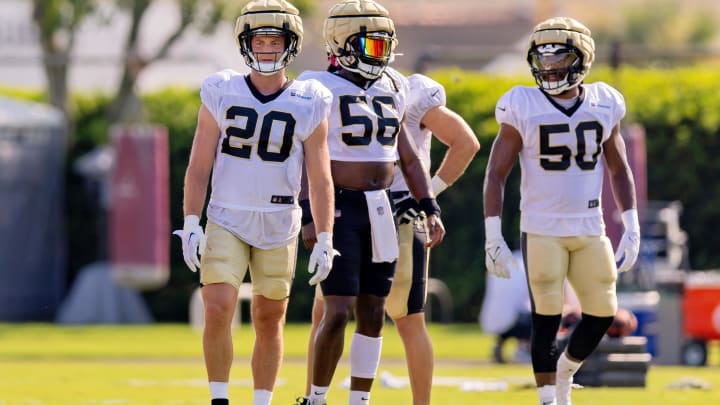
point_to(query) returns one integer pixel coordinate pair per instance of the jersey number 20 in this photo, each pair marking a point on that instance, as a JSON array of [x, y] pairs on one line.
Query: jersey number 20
[[263, 143]]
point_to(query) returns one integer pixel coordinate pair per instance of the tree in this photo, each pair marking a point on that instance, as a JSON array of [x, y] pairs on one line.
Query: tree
[[58, 20], [203, 14]]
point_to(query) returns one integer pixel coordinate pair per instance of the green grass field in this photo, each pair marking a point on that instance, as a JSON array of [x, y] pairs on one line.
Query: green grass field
[[162, 365]]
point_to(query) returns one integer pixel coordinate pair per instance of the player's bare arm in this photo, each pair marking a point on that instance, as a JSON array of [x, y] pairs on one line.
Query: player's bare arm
[[621, 178], [623, 188], [452, 130], [202, 157], [319, 183], [503, 155], [309, 236], [418, 181], [415, 172]]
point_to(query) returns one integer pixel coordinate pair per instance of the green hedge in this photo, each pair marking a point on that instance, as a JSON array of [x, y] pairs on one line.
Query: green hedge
[[679, 109]]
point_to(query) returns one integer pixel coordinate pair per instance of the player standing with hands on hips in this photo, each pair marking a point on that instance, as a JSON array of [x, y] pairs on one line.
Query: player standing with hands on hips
[[565, 133], [253, 133]]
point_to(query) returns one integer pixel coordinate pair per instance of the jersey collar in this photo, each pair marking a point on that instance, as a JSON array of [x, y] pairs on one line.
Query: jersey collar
[[264, 99], [567, 111]]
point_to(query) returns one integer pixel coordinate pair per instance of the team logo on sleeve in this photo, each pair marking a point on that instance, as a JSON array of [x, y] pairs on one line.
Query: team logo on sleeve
[[299, 95]]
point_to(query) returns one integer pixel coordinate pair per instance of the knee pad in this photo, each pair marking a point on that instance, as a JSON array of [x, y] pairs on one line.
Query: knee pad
[[364, 355], [587, 334], [543, 347]]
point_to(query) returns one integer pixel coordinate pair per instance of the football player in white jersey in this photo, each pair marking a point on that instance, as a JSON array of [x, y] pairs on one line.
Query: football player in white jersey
[[365, 140], [254, 132], [426, 116], [566, 133]]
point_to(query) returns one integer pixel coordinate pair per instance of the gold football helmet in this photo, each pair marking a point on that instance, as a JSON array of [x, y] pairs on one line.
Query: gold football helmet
[[361, 36], [269, 17], [560, 53]]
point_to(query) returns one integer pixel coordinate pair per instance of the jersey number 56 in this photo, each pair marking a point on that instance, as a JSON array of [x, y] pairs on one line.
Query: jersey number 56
[[385, 136]]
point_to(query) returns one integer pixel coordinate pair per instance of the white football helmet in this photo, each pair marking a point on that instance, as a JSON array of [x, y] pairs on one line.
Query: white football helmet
[[560, 54], [269, 17], [361, 36]]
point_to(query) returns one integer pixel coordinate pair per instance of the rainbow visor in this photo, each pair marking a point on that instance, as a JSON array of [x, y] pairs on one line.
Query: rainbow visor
[[373, 47]]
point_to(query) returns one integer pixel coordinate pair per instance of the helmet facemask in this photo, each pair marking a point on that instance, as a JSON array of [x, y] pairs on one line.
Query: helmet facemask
[[556, 67], [367, 53], [280, 60]]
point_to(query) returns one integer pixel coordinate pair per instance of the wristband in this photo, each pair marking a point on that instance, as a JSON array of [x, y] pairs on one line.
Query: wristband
[[430, 206], [324, 238], [306, 213], [191, 221], [438, 185], [630, 220], [493, 228]]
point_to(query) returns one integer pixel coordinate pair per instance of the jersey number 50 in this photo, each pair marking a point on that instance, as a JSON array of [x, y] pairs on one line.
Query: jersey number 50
[[385, 137], [263, 144], [564, 151]]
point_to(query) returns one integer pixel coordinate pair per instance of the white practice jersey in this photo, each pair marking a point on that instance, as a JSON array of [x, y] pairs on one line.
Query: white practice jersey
[[424, 95], [259, 158], [363, 124], [561, 157]]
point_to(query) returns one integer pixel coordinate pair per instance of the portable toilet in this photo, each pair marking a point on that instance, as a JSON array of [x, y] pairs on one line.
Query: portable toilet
[[32, 234]]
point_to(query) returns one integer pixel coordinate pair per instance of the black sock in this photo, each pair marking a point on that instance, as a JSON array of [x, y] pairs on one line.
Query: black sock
[[220, 401]]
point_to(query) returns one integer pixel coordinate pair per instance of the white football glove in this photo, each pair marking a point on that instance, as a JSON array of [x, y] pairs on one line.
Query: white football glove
[[193, 241], [629, 246], [499, 260], [322, 258]]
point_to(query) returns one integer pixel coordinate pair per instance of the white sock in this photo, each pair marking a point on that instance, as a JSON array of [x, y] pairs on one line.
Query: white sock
[[358, 397], [546, 393], [218, 389], [262, 397], [566, 368], [317, 392]]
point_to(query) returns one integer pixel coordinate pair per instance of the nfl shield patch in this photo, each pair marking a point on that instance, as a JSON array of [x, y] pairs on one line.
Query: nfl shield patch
[[380, 210]]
